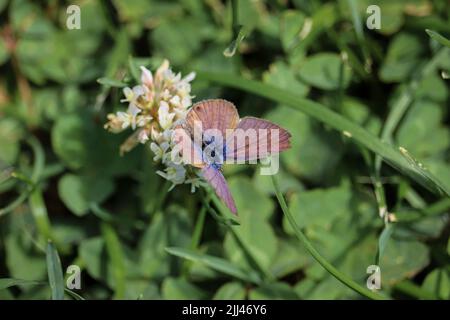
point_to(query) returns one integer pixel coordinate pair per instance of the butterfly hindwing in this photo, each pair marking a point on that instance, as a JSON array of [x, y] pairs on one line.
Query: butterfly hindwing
[[217, 181], [253, 137]]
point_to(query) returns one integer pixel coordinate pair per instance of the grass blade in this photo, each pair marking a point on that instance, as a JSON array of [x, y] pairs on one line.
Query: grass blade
[[216, 263], [414, 290], [316, 255], [74, 295], [55, 273], [383, 240], [393, 156], [6, 283], [438, 37], [108, 82], [39, 211], [117, 259]]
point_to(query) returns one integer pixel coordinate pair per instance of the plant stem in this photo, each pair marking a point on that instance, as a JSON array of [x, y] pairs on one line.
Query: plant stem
[[316, 255], [414, 290]]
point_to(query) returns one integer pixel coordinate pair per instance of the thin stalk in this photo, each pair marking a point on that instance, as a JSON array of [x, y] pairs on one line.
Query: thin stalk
[[413, 290]]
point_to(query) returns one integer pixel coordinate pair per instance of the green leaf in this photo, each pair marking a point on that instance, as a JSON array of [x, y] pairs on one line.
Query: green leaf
[[116, 256], [317, 256], [80, 142], [230, 291], [325, 71], [319, 207], [438, 283], [401, 58], [315, 152], [291, 24], [438, 37], [289, 259], [273, 291], [10, 134], [181, 34], [171, 228], [108, 82], [22, 259], [254, 233], [55, 273], [393, 156], [180, 289], [422, 131], [283, 76], [383, 241], [215, 263], [403, 259], [79, 192], [93, 254]]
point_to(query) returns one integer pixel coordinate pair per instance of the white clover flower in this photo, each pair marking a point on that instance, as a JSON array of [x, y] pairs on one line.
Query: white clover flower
[[164, 116], [146, 77], [174, 173], [128, 93], [132, 112], [142, 121], [143, 136], [195, 183], [155, 105], [159, 150], [175, 101]]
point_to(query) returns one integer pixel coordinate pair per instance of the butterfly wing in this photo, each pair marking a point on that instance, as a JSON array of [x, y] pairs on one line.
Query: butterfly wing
[[256, 138], [213, 114], [216, 179], [190, 152]]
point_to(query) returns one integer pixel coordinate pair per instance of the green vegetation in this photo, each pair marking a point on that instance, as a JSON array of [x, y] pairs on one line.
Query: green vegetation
[[366, 182]]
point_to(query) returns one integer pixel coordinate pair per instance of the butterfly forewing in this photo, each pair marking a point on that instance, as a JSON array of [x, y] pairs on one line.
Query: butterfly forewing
[[216, 114]]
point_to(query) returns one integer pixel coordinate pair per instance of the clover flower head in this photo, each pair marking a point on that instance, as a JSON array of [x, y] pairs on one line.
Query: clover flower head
[[155, 105], [175, 173]]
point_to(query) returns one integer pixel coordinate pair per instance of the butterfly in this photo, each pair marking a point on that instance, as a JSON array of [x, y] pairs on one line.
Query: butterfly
[[213, 134]]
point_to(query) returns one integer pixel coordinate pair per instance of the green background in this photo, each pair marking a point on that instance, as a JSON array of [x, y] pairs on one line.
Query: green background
[[62, 177]]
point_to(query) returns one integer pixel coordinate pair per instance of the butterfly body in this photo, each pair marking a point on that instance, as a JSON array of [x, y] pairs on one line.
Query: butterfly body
[[213, 135]]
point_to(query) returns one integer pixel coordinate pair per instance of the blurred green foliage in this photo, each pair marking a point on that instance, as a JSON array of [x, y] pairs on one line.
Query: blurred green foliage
[[62, 177]]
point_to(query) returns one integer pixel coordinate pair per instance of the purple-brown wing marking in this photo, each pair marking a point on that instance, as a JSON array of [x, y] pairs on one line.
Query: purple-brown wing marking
[[247, 147], [213, 114], [216, 179]]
